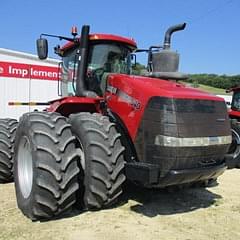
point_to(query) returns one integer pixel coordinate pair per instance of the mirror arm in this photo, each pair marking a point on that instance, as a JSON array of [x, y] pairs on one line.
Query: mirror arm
[[60, 37]]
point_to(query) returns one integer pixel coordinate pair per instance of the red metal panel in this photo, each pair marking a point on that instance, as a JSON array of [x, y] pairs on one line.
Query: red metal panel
[[69, 105], [138, 91], [233, 89], [234, 114], [108, 37]]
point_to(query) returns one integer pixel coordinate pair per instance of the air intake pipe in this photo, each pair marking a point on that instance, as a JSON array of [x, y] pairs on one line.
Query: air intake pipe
[[82, 62], [81, 89], [165, 63]]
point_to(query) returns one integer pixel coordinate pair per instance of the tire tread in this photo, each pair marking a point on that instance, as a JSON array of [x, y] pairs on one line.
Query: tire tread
[[56, 167], [7, 136], [104, 158]]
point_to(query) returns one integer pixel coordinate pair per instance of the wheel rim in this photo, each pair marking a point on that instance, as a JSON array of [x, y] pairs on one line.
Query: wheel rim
[[81, 153], [235, 146], [25, 171]]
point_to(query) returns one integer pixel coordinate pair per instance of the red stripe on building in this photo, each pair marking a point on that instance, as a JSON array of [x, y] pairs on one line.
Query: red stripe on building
[[29, 71]]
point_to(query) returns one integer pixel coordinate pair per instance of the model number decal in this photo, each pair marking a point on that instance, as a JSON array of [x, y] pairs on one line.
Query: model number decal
[[112, 89], [125, 97]]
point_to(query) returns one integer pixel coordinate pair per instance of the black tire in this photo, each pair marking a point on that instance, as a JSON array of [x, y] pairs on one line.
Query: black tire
[[234, 149], [104, 159], [7, 136], [45, 165]]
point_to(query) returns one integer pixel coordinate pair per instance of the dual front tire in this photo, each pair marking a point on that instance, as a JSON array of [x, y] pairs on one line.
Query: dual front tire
[[234, 150], [45, 165], [103, 161], [58, 164], [7, 137]]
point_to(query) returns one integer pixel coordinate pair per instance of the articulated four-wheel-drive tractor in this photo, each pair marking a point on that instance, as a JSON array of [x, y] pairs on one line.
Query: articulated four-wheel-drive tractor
[[110, 125], [234, 115]]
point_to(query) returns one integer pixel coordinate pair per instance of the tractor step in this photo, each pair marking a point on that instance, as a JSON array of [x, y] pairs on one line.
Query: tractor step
[[149, 175]]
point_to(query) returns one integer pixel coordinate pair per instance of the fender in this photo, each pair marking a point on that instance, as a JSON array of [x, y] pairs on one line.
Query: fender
[[130, 151], [68, 105], [234, 114]]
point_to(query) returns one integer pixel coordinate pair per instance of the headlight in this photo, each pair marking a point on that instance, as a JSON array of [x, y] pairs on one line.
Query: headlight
[[192, 142]]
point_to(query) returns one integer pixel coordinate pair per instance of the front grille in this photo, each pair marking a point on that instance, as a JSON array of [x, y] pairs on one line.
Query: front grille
[[187, 117], [182, 118]]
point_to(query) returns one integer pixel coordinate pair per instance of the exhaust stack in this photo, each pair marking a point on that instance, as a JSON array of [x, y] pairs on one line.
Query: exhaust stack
[[169, 32]]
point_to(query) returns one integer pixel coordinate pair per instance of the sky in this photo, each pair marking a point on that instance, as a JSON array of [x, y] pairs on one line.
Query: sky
[[210, 42]]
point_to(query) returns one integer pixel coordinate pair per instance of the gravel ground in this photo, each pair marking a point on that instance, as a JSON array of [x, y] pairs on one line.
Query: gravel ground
[[189, 214]]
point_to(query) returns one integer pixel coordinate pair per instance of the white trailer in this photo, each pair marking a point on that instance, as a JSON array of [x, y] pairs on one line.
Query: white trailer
[[25, 78]]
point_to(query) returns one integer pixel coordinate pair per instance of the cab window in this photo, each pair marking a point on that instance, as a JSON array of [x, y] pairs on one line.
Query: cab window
[[69, 71], [236, 101], [104, 58]]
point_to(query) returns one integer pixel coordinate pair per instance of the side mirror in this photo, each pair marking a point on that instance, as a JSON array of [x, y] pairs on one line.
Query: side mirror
[[42, 48]]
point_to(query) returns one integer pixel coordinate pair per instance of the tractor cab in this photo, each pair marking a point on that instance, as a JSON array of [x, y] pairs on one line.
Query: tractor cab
[[107, 54], [88, 60]]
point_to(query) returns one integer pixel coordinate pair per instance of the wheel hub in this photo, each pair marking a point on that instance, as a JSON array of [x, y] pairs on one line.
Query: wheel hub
[[81, 153], [235, 146], [25, 167]]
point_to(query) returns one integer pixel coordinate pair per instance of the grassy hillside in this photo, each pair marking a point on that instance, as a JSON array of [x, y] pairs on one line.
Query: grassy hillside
[[211, 89]]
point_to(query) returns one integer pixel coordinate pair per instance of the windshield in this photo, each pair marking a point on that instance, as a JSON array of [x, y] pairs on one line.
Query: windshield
[[236, 101], [113, 58], [104, 58]]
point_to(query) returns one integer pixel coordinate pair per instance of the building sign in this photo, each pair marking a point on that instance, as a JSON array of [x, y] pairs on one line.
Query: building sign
[[29, 71]]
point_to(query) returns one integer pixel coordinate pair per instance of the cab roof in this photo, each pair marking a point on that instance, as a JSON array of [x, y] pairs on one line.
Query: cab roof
[[233, 89], [130, 42]]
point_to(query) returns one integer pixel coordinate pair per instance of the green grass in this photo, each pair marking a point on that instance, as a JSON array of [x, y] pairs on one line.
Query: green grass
[[211, 89]]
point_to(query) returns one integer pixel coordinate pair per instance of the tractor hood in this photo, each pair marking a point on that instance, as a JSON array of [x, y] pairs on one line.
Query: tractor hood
[[130, 97], [146, 87]]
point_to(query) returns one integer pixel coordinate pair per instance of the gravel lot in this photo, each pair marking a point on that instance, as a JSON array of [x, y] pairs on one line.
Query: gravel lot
[[189, 214]]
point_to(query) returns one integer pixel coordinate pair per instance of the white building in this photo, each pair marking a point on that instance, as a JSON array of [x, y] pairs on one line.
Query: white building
[[227, 98], [25, 78]]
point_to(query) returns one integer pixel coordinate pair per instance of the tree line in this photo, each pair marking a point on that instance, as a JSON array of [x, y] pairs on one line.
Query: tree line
[[214, 80]]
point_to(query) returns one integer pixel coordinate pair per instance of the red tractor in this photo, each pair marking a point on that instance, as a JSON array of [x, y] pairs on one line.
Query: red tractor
[[110, 125], [234, 115]]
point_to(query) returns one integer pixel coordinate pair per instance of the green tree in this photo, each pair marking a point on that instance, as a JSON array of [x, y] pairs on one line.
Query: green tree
[[138, 69]]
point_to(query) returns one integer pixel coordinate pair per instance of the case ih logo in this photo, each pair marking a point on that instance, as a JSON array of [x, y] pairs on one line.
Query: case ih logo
[[18, 70]]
